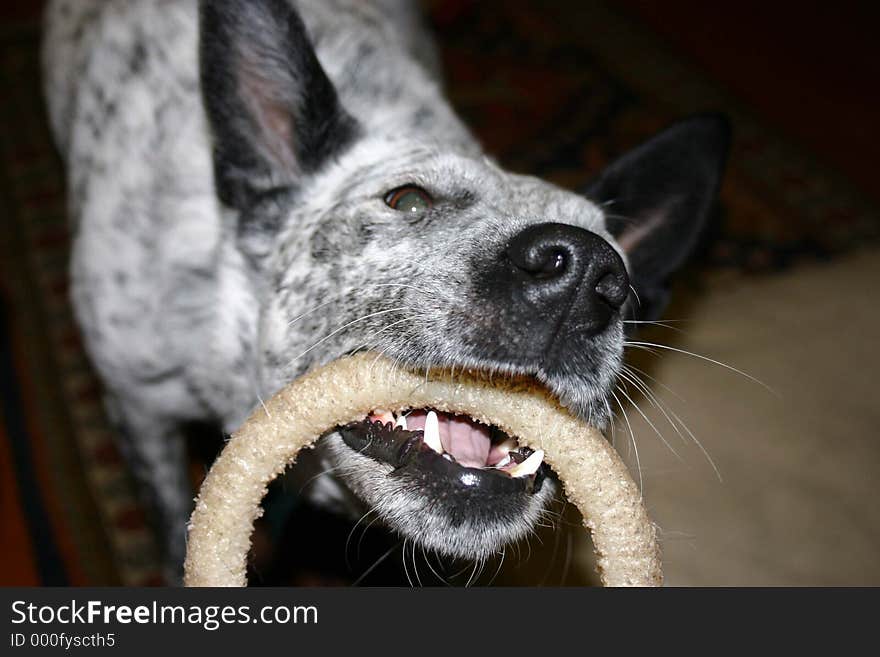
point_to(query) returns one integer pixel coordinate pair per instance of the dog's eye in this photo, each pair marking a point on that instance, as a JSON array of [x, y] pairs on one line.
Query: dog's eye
[[409, 199]]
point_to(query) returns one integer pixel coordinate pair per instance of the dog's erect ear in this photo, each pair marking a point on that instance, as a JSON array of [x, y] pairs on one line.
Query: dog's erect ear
[[657, 199], [273, 111]]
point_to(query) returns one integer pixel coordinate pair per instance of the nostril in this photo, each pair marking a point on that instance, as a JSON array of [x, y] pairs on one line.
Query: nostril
[[613, 288], [551, 265], [540, 261]]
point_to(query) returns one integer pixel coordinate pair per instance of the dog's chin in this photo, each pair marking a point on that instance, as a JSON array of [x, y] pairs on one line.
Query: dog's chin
[[581, 396], [465, 497]]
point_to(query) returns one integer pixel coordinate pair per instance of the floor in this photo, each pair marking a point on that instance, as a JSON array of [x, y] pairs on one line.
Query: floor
[[781, 488]]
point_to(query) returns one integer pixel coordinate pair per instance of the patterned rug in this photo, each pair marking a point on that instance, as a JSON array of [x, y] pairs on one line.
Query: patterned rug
[[545, 95]]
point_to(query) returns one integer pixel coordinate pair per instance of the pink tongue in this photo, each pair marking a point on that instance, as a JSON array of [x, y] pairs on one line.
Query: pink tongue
[[467, 441]]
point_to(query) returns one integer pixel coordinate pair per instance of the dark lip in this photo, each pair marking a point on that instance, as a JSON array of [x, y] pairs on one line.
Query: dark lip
[[407, 452]]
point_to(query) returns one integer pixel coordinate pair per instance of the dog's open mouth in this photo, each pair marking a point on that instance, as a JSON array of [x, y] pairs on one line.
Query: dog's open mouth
[[456, 448]]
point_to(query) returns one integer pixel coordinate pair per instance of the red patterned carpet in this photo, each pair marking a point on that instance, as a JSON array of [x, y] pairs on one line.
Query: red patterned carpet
[[552, 89]]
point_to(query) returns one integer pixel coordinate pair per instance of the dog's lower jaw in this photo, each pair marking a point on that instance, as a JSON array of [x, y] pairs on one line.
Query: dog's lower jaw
[[474, 528]]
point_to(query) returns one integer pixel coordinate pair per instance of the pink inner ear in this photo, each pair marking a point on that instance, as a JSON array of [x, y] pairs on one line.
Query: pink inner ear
[[273, 114], [633, 235]]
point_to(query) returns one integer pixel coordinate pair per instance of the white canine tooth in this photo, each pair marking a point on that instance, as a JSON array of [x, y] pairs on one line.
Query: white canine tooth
[[529, 466], [503, 461], [432, 432], [401, 422]]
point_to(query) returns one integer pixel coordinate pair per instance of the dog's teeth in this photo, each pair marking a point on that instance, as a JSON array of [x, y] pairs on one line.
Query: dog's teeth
[[502, 462], [529, 466], [507, 446], [432, 432], [383, 416], [401, 422]]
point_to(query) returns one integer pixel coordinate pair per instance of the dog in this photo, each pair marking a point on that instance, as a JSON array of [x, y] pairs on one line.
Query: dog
[[257, 187]]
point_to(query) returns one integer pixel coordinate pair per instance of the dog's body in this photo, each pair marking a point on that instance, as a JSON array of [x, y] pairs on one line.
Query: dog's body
[[229, 193]]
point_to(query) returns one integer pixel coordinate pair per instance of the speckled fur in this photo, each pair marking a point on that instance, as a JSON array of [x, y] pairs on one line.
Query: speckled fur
[[187, 315]]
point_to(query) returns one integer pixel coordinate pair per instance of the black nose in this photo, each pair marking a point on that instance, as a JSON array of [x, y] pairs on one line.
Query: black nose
[[558, 263]]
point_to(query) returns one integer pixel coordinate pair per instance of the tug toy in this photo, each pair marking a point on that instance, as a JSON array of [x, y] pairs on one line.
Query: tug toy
[[593, 476]]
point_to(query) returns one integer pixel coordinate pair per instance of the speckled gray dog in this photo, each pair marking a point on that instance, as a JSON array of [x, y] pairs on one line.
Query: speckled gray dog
[[259, 186]]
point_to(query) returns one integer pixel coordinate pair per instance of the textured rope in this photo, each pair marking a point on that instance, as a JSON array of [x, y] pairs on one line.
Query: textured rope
[[593, 476]]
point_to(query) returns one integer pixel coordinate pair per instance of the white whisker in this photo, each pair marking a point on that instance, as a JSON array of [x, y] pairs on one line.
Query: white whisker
[[639, 385], [500, 564], [403, 561], [473, 573], [636, 295], [651, 424], [633, 437], [663, 408], [415, 565], [263, 404], [351, 534], [699, 445], [663, 324], [431, 568], [370, 286], [364, 534], [659, 383], [347, 325], [629, 343], [375, 564]]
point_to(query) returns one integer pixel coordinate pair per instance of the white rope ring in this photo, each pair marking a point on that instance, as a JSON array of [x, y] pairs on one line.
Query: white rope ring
[[593, 476]]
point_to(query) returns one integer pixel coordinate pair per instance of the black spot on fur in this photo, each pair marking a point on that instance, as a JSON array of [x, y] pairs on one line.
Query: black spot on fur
[[321, 246], [422, 117], [137, 58]]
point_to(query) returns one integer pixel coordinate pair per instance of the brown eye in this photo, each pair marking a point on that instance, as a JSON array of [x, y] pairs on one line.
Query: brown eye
[[409, 199]]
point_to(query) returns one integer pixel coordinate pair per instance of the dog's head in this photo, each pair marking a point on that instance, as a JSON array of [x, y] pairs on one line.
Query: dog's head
[[371, 220]]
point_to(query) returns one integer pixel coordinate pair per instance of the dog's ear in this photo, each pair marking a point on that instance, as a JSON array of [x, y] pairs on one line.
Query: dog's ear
[[657, 199], [273, 111]]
